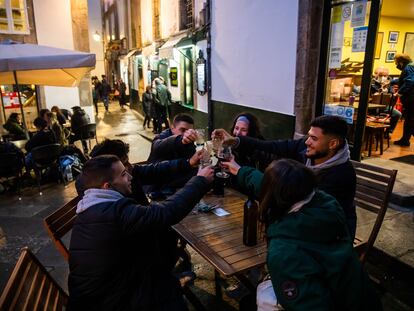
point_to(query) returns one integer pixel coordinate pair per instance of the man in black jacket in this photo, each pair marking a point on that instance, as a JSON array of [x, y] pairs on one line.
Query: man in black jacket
[[115, 259], [176, 142], [324, 150]]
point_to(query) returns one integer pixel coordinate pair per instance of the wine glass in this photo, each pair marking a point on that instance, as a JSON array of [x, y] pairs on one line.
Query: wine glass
[[201, 134], [224, 155], [217, 144]]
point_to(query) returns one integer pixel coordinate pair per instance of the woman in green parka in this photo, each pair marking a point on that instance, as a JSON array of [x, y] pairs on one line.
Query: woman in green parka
[[311, 259]]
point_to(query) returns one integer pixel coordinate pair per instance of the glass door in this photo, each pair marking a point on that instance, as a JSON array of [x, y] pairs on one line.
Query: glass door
[[343, 88]]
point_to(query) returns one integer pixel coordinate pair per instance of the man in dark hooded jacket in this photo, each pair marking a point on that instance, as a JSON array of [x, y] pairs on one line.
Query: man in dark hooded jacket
[[115, 258]]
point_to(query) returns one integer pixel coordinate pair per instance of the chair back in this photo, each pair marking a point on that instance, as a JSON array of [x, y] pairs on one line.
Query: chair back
[[10, 164], [87, 131], [30, 287], [386, 99], [376, 99], [59, 223], [373, 190], [46, 155]]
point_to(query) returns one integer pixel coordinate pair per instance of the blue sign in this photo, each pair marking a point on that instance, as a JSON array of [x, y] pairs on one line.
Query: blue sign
[[345, 112]]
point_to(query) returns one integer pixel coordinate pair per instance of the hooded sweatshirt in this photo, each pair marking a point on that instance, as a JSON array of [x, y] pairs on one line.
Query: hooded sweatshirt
[[312, 262]]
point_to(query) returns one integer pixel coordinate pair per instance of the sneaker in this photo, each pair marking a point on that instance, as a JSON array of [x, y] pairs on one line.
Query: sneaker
[[402, 143]]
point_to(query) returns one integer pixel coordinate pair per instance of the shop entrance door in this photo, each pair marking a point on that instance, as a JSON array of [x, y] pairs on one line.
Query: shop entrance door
[[346, 65]]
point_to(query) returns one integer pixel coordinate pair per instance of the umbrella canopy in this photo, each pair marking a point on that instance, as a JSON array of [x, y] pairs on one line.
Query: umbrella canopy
[[42, 65]]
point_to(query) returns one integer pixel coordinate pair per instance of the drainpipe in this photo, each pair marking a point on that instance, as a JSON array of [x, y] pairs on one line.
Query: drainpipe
[[210, 114]]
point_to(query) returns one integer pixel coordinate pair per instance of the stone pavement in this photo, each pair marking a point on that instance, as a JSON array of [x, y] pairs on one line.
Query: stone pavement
[[21, 222]]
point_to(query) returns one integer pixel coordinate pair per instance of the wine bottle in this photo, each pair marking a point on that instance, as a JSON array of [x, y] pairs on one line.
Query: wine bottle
[[250, 222]]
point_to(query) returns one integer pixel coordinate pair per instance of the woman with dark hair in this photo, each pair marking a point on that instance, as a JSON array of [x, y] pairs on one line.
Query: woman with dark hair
[[310, 258], [13, 126], [59, 115], [247, 124]]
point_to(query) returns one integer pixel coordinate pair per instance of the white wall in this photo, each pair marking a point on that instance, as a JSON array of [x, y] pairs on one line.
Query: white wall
[[56, 30], [254, 53], [146, 21], [96, 47], [169, 18]]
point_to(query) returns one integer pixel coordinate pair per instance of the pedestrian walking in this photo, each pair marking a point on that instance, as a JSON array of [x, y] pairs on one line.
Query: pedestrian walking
[[149, 109], [121, 88], [105, 90], [162, 100]]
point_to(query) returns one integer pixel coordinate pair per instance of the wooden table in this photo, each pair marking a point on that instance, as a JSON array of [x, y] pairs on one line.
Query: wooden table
[[220, 239]]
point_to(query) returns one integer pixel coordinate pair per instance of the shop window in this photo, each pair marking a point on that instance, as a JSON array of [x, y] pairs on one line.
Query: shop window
[[13, 17], [187, 76]]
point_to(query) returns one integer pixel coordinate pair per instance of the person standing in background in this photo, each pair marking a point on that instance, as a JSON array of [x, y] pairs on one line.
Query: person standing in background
[[105, 90], [148, 107], [121, 88], [406, 93]]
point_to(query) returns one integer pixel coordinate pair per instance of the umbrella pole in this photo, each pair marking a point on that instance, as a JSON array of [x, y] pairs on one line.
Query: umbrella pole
[[20, 102]]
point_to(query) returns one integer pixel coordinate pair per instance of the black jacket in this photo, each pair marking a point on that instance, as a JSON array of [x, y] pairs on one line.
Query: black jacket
[[116, 258], [338, 181], [167, 146], [148, 174], [79, 118], [41, 138]]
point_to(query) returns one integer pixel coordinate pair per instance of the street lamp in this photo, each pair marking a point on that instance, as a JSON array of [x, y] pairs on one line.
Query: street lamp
[[96, 36]]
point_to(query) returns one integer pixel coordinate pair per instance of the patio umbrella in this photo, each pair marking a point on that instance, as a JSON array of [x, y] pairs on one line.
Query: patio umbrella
[[27, 63]]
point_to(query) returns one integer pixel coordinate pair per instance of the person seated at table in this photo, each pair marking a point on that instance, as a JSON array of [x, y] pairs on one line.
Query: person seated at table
[[381, 83], [79, 119], [247, 124], [114, 255], [14, 127], [7, 147], [175, 142], [44, 136], [53, 124], [310, 258], [148, 174], [59, 115], [324, 150]]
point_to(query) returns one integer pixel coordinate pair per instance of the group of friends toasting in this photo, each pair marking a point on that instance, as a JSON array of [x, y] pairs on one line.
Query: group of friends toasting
[[124, 253]]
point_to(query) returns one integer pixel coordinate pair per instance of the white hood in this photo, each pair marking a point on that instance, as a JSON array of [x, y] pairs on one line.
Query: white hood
[[95, 196]]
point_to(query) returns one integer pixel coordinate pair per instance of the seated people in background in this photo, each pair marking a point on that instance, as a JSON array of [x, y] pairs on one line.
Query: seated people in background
[[79, 119], [14, 127], [56, 128], [381, 83], [324, 150], [8, 147], [310, 258], [67, 113], [44, 136], [59, 115], [246, 124], [114, 255]]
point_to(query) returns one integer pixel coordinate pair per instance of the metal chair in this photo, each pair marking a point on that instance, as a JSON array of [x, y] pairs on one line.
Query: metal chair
[[11, 165], [45, 157], [30, 287]]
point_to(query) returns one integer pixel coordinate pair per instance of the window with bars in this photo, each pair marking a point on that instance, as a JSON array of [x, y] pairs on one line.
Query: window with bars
[[156, 19], [13, 17], [186, 14]]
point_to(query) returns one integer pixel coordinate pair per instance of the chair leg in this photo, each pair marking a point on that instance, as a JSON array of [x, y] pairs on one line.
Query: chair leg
[[38, 173]]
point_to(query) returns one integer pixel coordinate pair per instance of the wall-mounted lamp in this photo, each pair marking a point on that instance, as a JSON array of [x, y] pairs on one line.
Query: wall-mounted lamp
[[96, 36]]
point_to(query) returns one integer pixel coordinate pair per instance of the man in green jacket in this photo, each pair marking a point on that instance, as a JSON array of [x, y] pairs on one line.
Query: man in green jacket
[[162, 101]]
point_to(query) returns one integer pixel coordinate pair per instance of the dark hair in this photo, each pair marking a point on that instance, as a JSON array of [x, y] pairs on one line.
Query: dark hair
[[332, 125], [402, 58], [40, 123], [285, 182], [42, 112], [182, 117], [254, 125], [13, 116], [111, 146], [97, 171]]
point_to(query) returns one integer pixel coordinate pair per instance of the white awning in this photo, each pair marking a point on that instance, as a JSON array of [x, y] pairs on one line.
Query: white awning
[[130, 53], [166, 51], [148, 50]]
